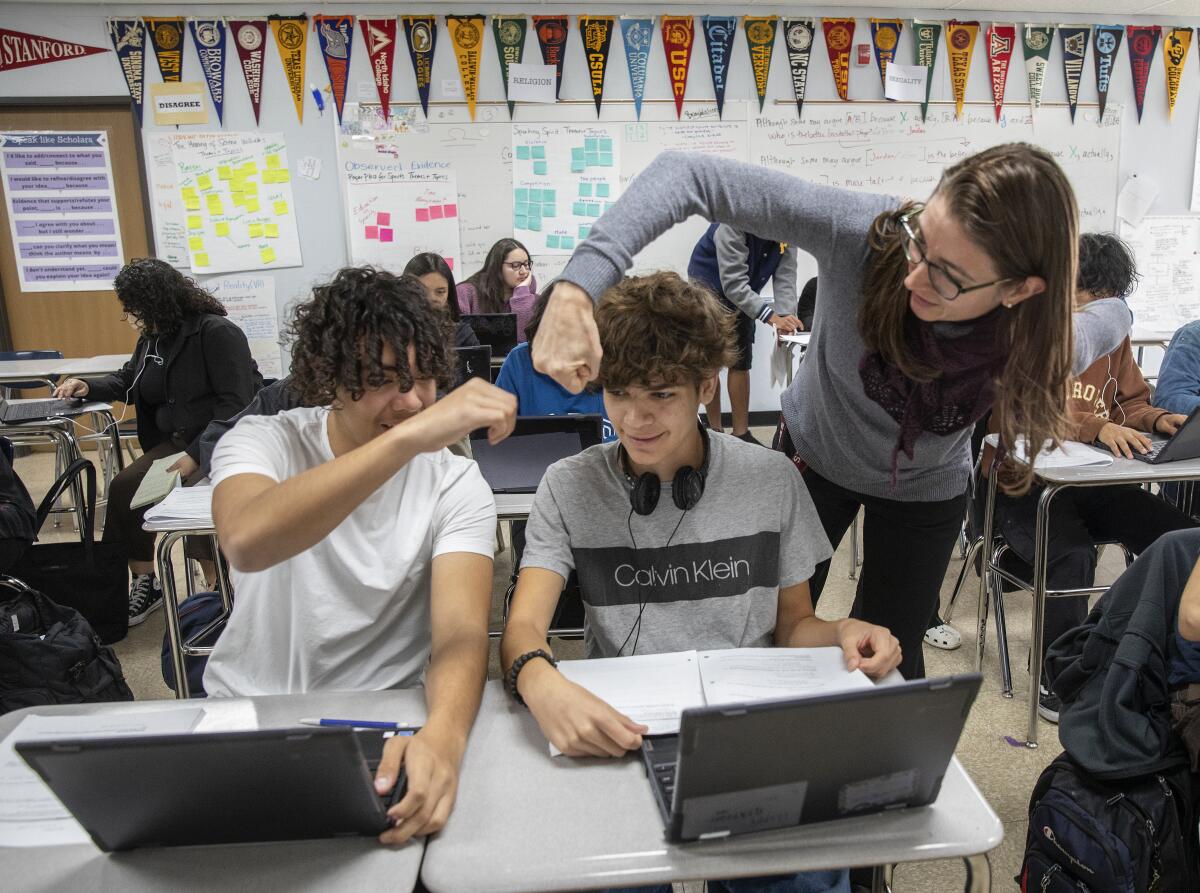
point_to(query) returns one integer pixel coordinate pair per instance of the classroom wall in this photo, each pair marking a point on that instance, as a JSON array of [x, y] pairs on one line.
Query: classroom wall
[[1161, 151]]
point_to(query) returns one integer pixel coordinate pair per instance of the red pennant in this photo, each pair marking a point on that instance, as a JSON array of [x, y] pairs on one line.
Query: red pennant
[[1000, 41], [250, 38], [678, 33], [380, 38], [21, 50], [839, 35]]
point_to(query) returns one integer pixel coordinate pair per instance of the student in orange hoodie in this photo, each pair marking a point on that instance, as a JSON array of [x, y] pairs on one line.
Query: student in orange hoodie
[[1109, 406]]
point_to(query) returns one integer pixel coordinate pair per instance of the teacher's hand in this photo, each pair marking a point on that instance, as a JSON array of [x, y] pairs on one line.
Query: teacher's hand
[[567, 346]]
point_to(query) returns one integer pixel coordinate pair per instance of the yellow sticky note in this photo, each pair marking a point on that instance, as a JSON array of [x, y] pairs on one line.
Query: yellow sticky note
[[271, 230], [192, 203], [281, 207], [256, 230], [250, 168], [200, 260], [189, 192], [239, 199], [194, 222], [204, 181], [281, 175], [224, 172], [252, 205], [272, 161], [267, 255], [214, 205], [251, 188], [269, 176], [222, 229], [195, 243]]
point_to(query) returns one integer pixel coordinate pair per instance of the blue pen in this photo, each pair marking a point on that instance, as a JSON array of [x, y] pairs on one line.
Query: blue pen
[[401, 728], [318, 98]]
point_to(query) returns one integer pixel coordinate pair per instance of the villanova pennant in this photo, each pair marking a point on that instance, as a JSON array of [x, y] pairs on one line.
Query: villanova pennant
[[166, 36], [1000, 40], [552, 38], [637, 34], [1074, 46], [760, 36], [420, 32], [719, 32], [678, 33], [1037, 42], [129, 43], [336, 36], [380, 38], [596, 32], [1107, 40], [209, 37], [798, 37], [509, 33], [1143, 41], [885, 34]]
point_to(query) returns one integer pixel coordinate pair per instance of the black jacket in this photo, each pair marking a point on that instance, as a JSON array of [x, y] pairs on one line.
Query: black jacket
[[271, 400], [209, 375]]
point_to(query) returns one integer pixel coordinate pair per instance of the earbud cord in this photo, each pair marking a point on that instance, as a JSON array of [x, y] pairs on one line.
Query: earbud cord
[[637, 623], [125, 403]]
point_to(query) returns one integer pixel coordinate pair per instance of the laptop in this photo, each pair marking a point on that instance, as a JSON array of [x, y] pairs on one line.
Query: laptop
[[1183, 444], [38, 410], [497, 330], [738, 768], [219, 787], [474, 362], [517, 463]]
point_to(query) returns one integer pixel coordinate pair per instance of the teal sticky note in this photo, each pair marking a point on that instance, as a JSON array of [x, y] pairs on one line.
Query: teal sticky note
[[605, 159], [535, 195], [522, 195], [535, 224], [585, 190], [602, 190], [584, 230], [549, 210], [591, 143], [539, 152], [566, 242], [522, 153], [579, 209], [551, 241], [605, 144], [519, 222], [592, 159], [548, 195], [577, 167], [595, 209], [521, 208], [577, 154], [540, 168]]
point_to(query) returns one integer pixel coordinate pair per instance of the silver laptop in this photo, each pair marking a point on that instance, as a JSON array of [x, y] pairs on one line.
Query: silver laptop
[[738, 768]]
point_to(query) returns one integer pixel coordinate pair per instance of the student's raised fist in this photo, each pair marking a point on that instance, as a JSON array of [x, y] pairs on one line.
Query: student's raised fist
[[475, 404], [567, 345]]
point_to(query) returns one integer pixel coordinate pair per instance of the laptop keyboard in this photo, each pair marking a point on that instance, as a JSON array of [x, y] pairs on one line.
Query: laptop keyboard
[[39, 409], [1151, 454], [664, 756]]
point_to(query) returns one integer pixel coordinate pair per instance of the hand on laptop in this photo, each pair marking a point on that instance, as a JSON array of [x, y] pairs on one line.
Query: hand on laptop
[[431, 765], [870, 648], [1123, 441], [576, 721], [72, 387], [1169, 423], [475, 404]]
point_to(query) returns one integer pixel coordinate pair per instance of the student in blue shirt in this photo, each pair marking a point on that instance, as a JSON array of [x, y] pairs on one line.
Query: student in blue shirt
[[539, 394], [1178, 388]]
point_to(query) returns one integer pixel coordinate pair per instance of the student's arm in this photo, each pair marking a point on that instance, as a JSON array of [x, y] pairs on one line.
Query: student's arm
[[262, 522], [1178, 388], [783, 283], [115, 386], [1189, 607], [866, 646], [733, 268], [1133, 396], [1100, 327]]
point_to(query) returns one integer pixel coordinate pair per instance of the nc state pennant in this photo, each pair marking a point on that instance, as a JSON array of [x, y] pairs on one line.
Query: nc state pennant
[[678, 32], [21, 50], [596, 32], [1000, 40], [839, 35], [250, 38], [1107, 40], [209, 37], [166, 36], [719, 32], [798, 37], [128, 38], [336, 36], [420, 32], [1143, 41], [552, 38], [380, 37]]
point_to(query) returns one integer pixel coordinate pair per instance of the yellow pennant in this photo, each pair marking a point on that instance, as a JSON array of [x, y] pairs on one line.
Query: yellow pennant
[[960, 40], [466, 33], [291, 38], [1175, 50]]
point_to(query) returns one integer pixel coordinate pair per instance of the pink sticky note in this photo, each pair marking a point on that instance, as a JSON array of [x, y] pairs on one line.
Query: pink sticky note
[[435, 212], [385, 234], [449, 262], [450, 210], [372, 232], [383, 218], [422, 215]]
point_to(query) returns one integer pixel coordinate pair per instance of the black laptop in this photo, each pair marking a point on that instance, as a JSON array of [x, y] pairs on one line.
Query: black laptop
[[1183, 444], [517, 463], [497, 330], [38, 410], [217, 787], [738, 768], [474, 362]]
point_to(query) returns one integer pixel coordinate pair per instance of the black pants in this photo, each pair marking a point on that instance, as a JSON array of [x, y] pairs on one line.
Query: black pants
[[1079, 518]]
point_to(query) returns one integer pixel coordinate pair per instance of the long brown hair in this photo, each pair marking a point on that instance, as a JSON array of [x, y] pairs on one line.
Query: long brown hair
[[1015, 202], [489, 280]]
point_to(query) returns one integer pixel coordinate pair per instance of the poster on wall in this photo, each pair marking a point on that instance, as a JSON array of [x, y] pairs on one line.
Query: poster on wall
[[250, 300], [166, 204], [564, 177], [239, 213], [62, 209], [392, 221], [1167, 294]]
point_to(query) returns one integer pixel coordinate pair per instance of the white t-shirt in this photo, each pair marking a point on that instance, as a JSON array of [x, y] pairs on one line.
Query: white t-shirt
[[353, 612]]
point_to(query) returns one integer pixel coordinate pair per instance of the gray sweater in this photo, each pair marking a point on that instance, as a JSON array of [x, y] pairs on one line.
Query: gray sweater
[[836, 428]]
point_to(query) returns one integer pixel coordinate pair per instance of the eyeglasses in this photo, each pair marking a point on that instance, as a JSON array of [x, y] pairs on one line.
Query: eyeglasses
[[518, 265], [947, 287]]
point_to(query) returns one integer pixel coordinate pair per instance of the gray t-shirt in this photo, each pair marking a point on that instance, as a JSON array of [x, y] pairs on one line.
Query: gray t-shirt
[[716, 585]]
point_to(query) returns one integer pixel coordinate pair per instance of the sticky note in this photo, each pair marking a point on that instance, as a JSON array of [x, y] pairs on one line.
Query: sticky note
[[251, 188], [579, 209], [535, 195], [602, 190], [385, 234], [606, 159], [592, 144], [583, 231], [522, 153], [214, 205], [539, 152], [605, 144], [549, 210], [422, 215], [585, 190], [267, 255], [192, 204], [435, 212], [282, 208], [195, 222], [189, 192], [252, 205], [204, 181], [549, 195], [593, 159], [222, 229], [535, 224], [371, 232], [566, 242], [450, 210], [551, 241], [272, 161], [200, 260], [577, 154], [383, 218], [519, 222], [271, 230], [449, 262], [578, 167], [256, 230], [282, 175], [250, 168], [541, 168], [224, 172], [522, 195], [195, 243]]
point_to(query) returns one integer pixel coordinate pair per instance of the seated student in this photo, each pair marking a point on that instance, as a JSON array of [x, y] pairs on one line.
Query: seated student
[[361, 549], [1184, 677], [539, 394], [1109, 404], [435, 274], [736, 266], [1178, 388], [505, 284], [601, 514]]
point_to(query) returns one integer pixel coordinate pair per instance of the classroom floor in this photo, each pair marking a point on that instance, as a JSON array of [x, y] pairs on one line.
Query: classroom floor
[[1004, 772]]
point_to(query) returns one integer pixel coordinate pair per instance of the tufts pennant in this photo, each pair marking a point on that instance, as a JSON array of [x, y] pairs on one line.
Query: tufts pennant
[[1106, 40]]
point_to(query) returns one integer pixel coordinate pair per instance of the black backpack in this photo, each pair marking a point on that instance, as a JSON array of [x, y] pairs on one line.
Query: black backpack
[[50, 655], [1131, 836]]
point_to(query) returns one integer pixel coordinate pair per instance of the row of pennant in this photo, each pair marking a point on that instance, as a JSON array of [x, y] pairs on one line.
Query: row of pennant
[[335, 34]]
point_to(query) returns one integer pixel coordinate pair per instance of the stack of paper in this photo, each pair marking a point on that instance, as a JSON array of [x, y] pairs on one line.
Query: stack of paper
[[185, 508]]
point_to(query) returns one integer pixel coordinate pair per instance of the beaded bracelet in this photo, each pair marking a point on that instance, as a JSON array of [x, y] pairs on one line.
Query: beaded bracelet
[[510, 681]]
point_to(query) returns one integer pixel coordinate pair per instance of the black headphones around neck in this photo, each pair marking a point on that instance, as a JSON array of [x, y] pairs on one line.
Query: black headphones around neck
[[686, 487]]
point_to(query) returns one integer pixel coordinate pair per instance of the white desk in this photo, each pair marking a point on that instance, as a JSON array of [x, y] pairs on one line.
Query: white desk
[[358, 863], [799, 340], [528, 821], [1120, 471], [50, 370], [513, 506], [101, 365]]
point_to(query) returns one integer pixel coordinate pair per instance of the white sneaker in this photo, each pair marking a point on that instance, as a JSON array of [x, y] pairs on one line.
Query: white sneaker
[[943, 636]]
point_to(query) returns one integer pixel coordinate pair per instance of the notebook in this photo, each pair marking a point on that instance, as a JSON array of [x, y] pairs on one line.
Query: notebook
[[157, 483]]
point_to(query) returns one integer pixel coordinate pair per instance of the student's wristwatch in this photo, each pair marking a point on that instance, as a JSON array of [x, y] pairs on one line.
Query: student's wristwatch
[[510, 681]]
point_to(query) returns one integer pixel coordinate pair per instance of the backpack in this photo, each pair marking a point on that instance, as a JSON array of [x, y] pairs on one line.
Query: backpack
[[50, 655], [197, 613], [1131, 836]]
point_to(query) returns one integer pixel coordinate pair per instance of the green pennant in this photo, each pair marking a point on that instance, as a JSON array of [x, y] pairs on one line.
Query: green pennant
[[509, 32]]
